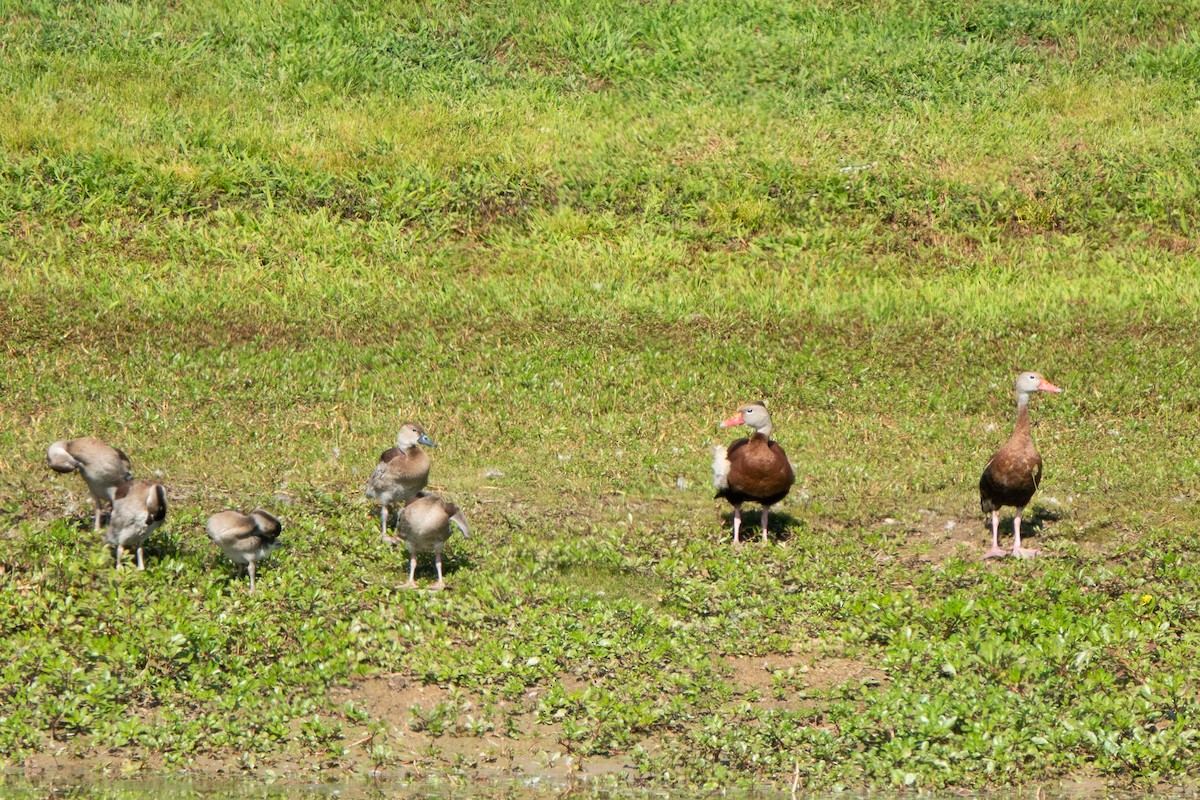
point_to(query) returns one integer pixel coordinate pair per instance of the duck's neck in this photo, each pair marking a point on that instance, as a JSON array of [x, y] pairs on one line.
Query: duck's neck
[[765, 430], [1022, 426]]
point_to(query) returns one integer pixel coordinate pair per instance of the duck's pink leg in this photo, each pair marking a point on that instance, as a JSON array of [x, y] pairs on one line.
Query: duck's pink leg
[[441, 584], [737, 524], [995, 552], [412, 570], [764, 524], [1018, 551]]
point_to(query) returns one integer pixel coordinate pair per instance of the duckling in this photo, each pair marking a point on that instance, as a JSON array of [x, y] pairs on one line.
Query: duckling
[[139, 508], [104, 468], [401, 473], [424, 525], [245, 538]]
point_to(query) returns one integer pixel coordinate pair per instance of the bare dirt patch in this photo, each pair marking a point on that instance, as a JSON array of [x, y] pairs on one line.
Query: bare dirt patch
[[754, 673], [519, 745], [837, 671], [798, 676], [389, 698], [937, 538]]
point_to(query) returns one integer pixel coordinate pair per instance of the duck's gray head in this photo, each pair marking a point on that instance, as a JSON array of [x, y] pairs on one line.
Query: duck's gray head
[[412, 434], [754, 415], [267, 522], [1030, 382]]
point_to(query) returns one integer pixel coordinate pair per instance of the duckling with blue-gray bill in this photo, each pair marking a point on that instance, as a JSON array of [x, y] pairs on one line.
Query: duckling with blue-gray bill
[[401, 473], [424, 526], [245, 539]]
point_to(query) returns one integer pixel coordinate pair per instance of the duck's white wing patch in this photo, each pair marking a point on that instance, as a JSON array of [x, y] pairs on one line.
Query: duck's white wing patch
[[720, 467]]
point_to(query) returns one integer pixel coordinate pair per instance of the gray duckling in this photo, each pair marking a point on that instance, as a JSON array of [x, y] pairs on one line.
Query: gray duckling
[[425, 526], [102, 467], [139, 508], [245, 539]]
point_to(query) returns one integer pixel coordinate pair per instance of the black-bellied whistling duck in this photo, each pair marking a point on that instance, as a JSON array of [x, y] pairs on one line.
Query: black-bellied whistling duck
[[754, 470], [104, 468], [245, 538], [1013, 473], [424, 525], [402, 471], [139, 507]]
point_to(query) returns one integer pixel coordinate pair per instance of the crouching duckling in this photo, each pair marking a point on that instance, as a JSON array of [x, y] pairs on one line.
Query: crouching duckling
[[245, 539], [104, 468]]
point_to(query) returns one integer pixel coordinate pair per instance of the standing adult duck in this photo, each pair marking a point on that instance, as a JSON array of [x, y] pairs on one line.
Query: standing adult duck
[[424, 525], [139, 508], [754, 469], [1014, 472], [103, 468], [402, 471], [245, 539]]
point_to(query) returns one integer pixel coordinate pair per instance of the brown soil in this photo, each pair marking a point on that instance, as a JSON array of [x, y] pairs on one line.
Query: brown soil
[[939, 537], [528, 749], [755, 675]]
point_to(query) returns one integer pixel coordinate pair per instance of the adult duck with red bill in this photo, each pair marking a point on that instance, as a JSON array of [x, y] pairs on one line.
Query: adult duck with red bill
[[752, 470], [1014, 472]]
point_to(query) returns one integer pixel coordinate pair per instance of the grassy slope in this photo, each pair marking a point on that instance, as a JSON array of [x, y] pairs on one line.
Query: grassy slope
[[569, 239]]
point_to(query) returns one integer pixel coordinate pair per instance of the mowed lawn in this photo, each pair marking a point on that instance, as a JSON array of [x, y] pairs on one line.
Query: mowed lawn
[[245, 242]]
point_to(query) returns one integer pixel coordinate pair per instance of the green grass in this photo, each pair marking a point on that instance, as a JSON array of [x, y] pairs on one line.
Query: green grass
[[245, 243]]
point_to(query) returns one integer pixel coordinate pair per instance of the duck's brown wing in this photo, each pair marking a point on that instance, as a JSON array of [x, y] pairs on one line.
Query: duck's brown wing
[[125, 462], [382, 474], [759, 471], [1009, 479], [229, 526]]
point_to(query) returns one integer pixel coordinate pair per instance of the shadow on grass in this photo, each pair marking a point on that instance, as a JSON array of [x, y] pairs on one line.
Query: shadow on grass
[[781, 526], [160, 547], [87, 524], [1033, 521], [452, 562]]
